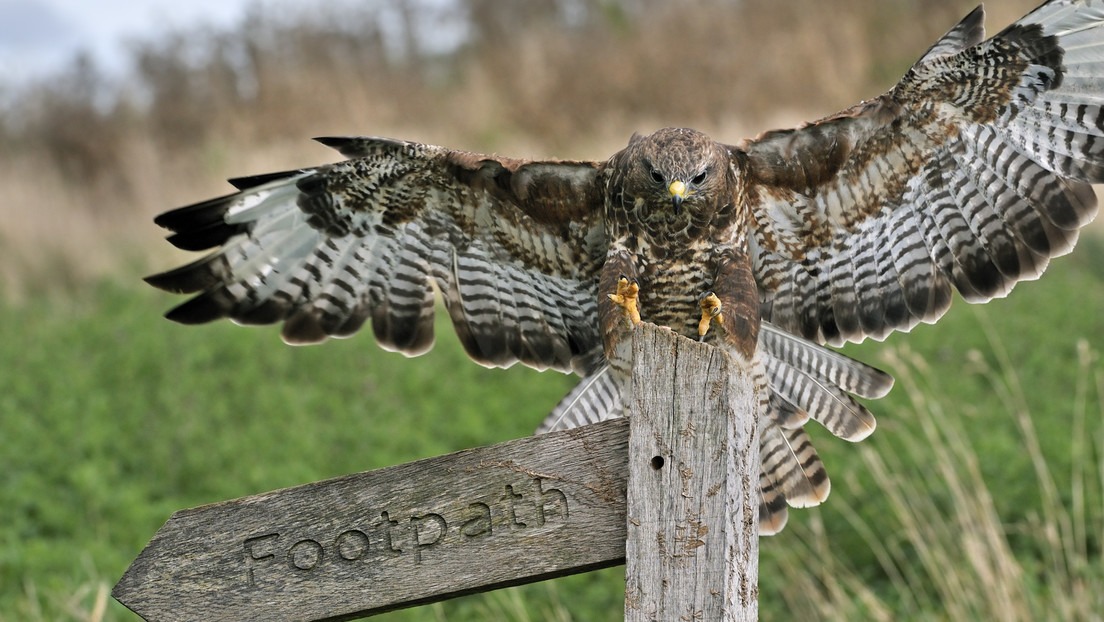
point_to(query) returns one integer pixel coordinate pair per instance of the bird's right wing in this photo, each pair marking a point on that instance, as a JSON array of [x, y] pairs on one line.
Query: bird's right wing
[[513, 246]]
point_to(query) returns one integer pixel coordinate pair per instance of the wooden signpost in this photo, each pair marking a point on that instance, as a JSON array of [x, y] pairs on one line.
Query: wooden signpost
[[673, 490], [693, 490]]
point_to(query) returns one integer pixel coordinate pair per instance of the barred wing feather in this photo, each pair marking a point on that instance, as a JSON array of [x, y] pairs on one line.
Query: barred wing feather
[[514, 247]]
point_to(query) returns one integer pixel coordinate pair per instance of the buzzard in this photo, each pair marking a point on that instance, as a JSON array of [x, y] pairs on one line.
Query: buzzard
[[970, 173]]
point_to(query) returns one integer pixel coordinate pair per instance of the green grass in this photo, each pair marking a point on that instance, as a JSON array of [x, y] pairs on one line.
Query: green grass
[[112, 418]]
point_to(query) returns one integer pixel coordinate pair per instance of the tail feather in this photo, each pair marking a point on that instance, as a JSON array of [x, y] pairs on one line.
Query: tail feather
[[784, 413], [596, 398], [837, 411], [839, 369], [791, 473], [792, 467], [811, 380], [774, 513]]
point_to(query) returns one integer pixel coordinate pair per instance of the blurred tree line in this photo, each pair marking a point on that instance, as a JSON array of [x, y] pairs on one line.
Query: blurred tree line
[[551, 71]]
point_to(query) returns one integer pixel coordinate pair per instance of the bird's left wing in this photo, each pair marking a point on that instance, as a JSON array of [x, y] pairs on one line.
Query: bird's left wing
[[513, 246], [972, 172]]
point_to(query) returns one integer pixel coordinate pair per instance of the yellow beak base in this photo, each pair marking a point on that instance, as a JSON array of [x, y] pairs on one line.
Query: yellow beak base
[[677, 189]]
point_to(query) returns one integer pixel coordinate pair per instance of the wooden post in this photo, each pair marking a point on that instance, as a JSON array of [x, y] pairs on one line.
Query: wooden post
[[692, 547]]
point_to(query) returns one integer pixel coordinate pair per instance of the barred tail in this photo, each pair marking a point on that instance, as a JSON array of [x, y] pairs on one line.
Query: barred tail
[[596, 398]]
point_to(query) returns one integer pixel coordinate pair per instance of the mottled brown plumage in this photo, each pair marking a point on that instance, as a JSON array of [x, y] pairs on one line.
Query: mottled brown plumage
[[970, 174]]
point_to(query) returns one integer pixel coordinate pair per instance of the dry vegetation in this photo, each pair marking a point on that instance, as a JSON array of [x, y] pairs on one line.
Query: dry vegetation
[[948, 544], [86, 159]]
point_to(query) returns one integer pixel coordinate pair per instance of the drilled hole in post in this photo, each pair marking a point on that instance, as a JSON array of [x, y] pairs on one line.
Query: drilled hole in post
[[657, 462]]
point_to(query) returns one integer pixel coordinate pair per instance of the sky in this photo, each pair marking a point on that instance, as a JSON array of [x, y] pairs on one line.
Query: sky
[[39, 36]]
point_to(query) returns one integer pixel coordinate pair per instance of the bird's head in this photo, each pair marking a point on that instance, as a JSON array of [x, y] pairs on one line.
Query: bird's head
[[672, 179]]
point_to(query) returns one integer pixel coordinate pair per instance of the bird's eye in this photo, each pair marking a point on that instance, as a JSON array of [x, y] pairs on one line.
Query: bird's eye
[[656, 176], [699, 178]]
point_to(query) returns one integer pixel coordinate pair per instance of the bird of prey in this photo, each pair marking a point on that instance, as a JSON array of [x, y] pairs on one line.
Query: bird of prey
[[970, 173]]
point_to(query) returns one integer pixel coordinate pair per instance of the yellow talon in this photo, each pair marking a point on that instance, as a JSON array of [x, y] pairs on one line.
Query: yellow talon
[[626, 299], [711, 311]]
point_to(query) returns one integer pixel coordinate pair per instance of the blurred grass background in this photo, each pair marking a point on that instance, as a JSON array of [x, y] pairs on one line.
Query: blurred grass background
[[980, 496]]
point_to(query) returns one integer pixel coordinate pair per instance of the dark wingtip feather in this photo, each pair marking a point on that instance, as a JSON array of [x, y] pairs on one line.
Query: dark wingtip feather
[[206, 236], [1074, 205], [972, 26], [267, 312], [303, 328], [348, 146], [252, 181], [335, 142], [358, 146], [880, 384], [204, 308], [968, 32], [355, 320], [195, 277], [195, 215]]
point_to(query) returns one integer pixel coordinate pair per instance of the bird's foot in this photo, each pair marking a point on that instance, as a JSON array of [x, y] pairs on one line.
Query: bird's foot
[[626, 298], [710, 312]]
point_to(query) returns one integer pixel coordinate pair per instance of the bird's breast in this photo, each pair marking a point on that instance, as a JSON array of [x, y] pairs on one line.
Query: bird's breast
[[670, 288]]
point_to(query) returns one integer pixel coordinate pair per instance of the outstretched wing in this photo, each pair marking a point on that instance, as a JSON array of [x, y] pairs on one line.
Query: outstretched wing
[[972, 172], [514, 247]]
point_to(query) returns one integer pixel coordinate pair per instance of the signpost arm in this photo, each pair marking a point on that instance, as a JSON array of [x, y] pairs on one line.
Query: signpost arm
[[520, 511]]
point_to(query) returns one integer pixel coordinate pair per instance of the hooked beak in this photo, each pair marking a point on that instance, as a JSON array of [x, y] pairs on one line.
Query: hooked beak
[[677, 190]]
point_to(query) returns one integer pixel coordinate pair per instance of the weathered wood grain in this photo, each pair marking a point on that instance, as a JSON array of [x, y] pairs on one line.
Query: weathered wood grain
[[692, 538], [511, 513]]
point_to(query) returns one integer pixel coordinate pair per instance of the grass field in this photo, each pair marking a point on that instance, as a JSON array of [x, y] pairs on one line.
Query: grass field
[[984, 475]]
